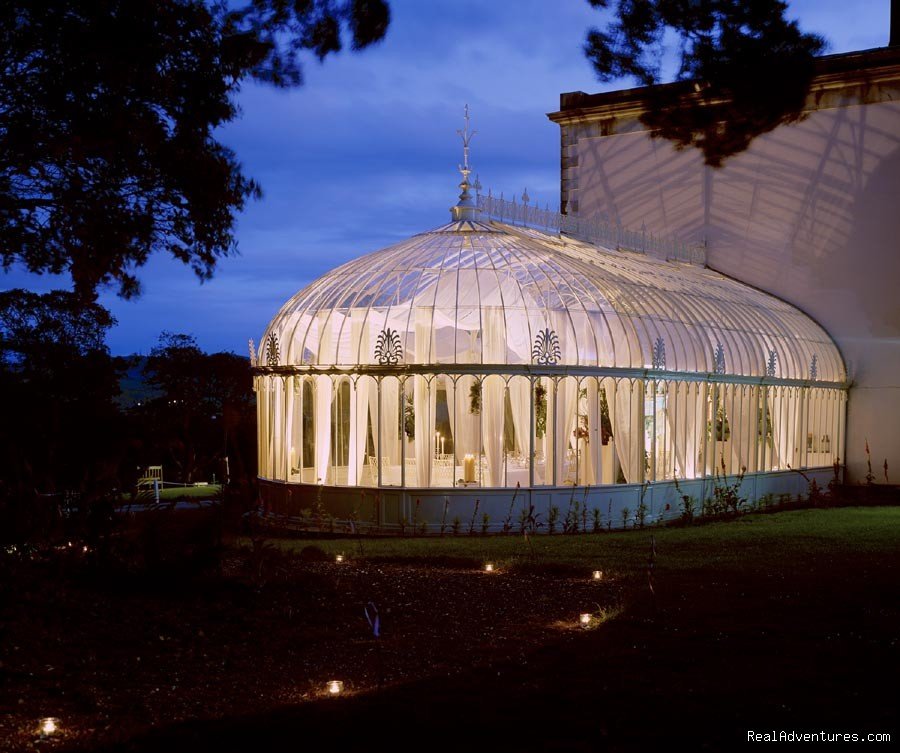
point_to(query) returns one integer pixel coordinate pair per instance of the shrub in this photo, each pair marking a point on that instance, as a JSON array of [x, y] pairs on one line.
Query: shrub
[[552, 518], [570, 524], [640, 515]]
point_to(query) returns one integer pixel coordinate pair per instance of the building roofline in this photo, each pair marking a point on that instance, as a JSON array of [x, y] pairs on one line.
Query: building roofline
[[832, 72]]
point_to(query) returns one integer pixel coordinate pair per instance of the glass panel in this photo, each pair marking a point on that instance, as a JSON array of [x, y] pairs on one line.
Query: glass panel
[[566, 444], [444, 472], [467, 445], [393, 427], [493, 420], [308, 432], [340, 434]]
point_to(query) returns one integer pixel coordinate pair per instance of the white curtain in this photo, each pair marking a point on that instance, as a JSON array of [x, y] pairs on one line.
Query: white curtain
[[360, 400], [359, 405], [324, 390], [547, 439], [566, 405], [290, 461], [493, 405], [609, 385], [493, 394], [465, 424], [591, 455], [424, 398], [450, 390], [519, 400], [390, 409], [675, 421], [743, 429], [262, 412], [753, 441], [629, 429], [696, 430], [786, 426], [277, 428]]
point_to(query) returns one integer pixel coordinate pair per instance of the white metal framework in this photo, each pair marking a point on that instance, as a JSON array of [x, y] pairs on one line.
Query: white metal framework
[[482, 354], [505, 343]]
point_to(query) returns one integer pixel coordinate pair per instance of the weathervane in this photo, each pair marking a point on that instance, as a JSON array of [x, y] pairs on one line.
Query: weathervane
[[466, 137], [466, 209]]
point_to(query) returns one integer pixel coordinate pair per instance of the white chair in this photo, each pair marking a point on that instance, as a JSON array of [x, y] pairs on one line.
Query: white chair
[[443, 471]]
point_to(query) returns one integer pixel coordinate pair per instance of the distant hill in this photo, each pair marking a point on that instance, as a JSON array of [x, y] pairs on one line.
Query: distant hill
[[134, 388]]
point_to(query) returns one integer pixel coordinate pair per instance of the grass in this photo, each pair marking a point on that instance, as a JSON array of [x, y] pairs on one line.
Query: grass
[[754, 543], [188, 492]]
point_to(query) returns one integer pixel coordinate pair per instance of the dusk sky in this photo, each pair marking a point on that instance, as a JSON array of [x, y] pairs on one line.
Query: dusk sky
[[365, 153]]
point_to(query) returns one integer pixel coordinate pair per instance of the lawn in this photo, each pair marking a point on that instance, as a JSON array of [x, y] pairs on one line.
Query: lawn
[[776, 621], [758, 542], [190, 492]]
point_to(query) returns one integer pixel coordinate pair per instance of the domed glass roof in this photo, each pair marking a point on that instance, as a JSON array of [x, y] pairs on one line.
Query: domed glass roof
[[484, 292]]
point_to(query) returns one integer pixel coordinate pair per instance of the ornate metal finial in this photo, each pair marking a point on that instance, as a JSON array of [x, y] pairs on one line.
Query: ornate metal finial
[[477, 186], [525, 197], [814, 368], [546, 351], [252, 353], [466, 137], [466, 209], [771, 364], [719, 359], [388, 349], [273, 353], [659, 353]]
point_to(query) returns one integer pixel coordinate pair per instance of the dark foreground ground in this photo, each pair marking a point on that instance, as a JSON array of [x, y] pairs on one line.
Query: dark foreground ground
[[784, 621]]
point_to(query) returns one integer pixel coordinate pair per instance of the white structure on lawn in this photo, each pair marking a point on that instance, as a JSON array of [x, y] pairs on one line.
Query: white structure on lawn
[[483, 355]]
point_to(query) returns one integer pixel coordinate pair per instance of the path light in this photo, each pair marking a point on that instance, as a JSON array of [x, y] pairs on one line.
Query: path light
[[339, 558], [334, 687], [598, 575], [49, 725], [489, 567], [585, 620]]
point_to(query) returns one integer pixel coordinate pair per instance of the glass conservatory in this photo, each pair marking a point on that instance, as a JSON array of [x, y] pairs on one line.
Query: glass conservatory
[[489, 355]]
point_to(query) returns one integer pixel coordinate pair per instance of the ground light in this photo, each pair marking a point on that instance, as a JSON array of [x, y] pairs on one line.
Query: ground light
[[334, 687], [598, 575], [489, 567], [585, 620], [48, 726], [339, 558]]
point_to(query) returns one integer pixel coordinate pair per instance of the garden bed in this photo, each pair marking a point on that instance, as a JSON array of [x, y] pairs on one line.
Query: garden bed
[[771, 619]]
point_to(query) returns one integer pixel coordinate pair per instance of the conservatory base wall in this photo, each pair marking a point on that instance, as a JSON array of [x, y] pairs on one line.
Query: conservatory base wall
[[295, 503]]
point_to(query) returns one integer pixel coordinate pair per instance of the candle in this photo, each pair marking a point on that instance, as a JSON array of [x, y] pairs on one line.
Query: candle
[[48, 726], [585, 620], [469, 469], [334, 687], [598, 575]]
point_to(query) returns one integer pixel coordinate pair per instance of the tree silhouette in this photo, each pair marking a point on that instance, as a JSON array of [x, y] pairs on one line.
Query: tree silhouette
[[108, 113], [744, 68]]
